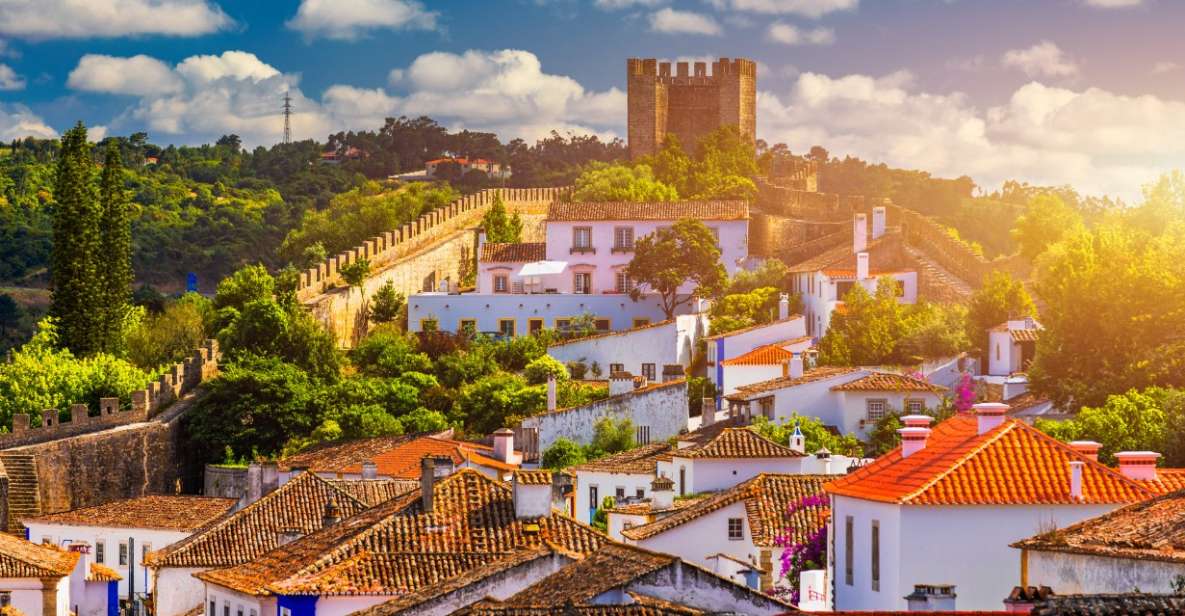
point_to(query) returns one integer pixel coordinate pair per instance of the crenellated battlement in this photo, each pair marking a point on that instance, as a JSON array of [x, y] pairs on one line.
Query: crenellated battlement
[[690, 73], [179, 380]]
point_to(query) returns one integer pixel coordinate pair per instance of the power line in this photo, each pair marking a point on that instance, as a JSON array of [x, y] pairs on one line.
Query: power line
[[287, 118]]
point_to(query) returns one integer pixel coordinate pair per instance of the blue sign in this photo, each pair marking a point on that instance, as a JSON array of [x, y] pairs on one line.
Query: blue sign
[[191, 282]]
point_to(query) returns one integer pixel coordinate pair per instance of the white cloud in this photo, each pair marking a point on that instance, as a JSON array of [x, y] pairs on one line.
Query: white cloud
[[1044, 59], [236, 65], [1164, 67], [805, 8], [137, 76], [48, 19], [670, 21], [18, 122], [1113, 4], [9, 80], [789, 34], [612, 5], [1095, 140], [353, 19]]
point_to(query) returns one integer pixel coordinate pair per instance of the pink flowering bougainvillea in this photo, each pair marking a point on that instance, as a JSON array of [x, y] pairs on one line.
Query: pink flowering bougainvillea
[[965, 393], [805, 551]]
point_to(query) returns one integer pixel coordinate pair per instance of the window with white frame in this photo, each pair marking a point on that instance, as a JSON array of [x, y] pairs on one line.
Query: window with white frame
[[624, 284], [623, 238], [123, 553], [619, 493], [648, 371], [913, 407], [876, 409], [501, 283], [581, 238], [582, 282], [616, 368], [100, 552], [736, 529]]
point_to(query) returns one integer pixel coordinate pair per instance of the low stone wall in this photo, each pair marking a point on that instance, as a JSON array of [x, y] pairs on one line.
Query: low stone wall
[[954, 256], [775, 198]]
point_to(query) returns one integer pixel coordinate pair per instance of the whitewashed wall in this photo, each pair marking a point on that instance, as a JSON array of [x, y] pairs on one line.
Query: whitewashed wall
[[1072, 574], [177, 591], [664, 409], [488, 308], [668, 343], [606, 484]]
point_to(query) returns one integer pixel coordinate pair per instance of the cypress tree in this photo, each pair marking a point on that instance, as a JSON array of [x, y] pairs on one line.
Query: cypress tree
[[115, 251], [73, 264]]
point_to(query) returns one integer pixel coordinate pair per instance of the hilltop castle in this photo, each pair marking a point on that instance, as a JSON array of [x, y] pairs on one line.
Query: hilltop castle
[[687, 104]]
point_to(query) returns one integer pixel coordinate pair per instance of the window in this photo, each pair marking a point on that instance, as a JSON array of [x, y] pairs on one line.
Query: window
[[6, 598], [624, 284], [736, 529], [767, 407], [641, 322], [284, 611], [997, 351], [842, 287], [467, 326], [642, 436], [144, 550], [640, 493], [915, 406], [225, 609], [619, 493], [648, 371], [563, 324], [876, 409], [239, 611], [428, 325], [506, 327], [616, 368], [849, 555], [582, 282], [876, 555], [123, 553], [100, 552], [682, 481], [213, 609], [501, 283], [601, 325], [534, 326], [623, 238], [592, 497], [581, 239]]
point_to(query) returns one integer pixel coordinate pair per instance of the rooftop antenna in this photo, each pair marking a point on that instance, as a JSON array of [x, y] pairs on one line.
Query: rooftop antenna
[[287, 118]]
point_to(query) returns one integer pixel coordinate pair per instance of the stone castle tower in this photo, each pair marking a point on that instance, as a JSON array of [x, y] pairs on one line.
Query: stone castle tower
[[687, 104]]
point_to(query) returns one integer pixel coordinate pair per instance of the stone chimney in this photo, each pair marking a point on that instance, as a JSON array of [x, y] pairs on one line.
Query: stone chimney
[[254, 484], [432, 468], [989, 415], [931, 598], [913, 440], [504, 445], [794, 368], [662, 493], [1076, 479], [551, 395], [532, 497], [1089, 449], [861, 266], [620, 383], [1023, 599], [269, 477], [370, 470], [332, 514], [797, 440], [859, 233], [878, 221], [1138, 465], [783, 306]]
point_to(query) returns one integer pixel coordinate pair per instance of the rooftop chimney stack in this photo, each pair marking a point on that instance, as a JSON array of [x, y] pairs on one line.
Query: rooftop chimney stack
[[662, 493], [370, 470], [784, 307], [990, 415], [794, 368], [1076, 479], [861, 266], [931, 598], [878, 221], [1138, 465], [427, 482], [332, 514], [1088, 449], [504, 445], [913, 440], [532, 494], [860, 233], [916, 421], [707, 412]]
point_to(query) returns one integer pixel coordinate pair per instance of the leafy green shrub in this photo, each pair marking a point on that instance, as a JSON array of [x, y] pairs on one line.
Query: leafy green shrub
[[543, 367]]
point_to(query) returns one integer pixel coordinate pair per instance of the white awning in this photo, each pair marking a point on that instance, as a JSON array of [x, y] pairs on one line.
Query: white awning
[[542, 268]]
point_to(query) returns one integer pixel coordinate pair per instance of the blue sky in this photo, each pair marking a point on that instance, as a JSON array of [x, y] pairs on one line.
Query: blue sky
[[1085, 92]]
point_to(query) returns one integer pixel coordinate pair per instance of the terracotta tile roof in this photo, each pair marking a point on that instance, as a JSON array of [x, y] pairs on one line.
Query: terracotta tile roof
[[152, 511], [821, 373], [395, 457], [298, 505], [612, 566], [755, 327], [646, 507], [1167, 480], [522, 252], [664, 210], [1026, 335], [737, 443], [908, 613], [641, 606], [1153, 530], [397, 548], [334, 455], [102, 573], [768, 355], [1012, 464], [638, 461], [767, 498], [1135, 604], [533, 478], [839, 256], [706, 433], [24, 559], [886, 381], [371, 492]]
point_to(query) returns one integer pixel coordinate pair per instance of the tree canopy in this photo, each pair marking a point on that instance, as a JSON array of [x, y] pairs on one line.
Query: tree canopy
[[673, 257]]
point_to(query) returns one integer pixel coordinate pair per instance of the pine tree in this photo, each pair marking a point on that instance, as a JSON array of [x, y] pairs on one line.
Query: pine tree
[[74, 264], [115, 250]]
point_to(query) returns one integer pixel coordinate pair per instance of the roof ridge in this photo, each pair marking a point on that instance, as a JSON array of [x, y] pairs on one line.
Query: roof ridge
[[1090, 462], [999, 433]]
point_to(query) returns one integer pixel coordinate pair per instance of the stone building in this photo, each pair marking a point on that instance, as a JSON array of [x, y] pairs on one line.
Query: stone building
[[687, 104]]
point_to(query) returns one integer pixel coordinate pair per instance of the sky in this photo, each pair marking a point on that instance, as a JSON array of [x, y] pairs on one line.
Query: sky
[[1089, 93]]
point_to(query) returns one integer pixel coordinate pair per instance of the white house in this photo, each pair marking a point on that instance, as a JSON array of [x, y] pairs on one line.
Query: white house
[[944, 507], [643, 350], [577, 271], [788, 333], [111, 530], [626, 476], [1011, 346], [823, 280], [742, 523], [733, 456], [850, 399], [763, 363], [45, 580]]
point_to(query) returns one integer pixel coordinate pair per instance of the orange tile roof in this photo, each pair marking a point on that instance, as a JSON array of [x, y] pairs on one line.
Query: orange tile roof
[[23, 559], [371, 492], [533, 478], [641, 605], [102, 573], [397, 548], [1167, 480], [329, 457], [821, 373], [638, 461], [1012, 464], [767, 498], [1026, 335], [768, 355], [737, 443], [494, 252], [754, 327], [612, 566], [396, 457], [155, 511], [663, 210], [887, 381]]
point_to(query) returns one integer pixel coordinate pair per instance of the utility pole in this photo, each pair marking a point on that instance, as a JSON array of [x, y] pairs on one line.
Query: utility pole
[[132, 576], [287, 118]]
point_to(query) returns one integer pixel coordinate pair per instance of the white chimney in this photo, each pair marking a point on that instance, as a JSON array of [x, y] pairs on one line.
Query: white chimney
[[532, 494], [784, 307], [931, 598], [913, 440], [878, 222], [662, 493], [1088, 449], [620, 383], [794, 369], [797, 440], [1076, 479], [861, 266], [551, 395], [990, 415], [1138, 465], [504, 445], [707, 412], [916, 421], [860, 233], [370, 470], [813, 591]]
